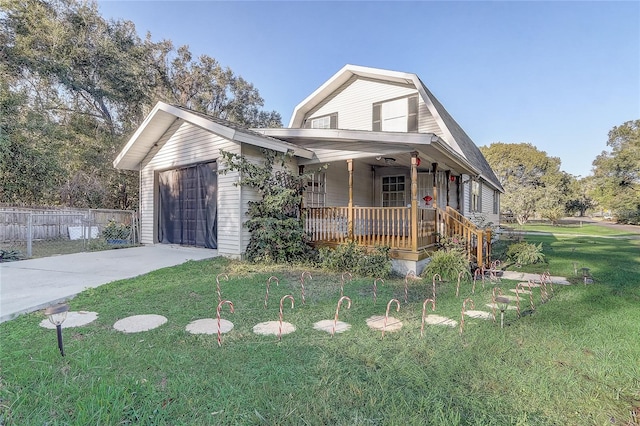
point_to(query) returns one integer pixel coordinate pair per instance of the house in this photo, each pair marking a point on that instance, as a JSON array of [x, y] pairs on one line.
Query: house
[[400, 171]]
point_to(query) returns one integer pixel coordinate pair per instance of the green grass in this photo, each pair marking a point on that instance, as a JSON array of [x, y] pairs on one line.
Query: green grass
[[574, 361], [571, 229]]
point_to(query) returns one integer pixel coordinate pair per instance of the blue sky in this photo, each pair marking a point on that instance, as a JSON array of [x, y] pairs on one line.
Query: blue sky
[[559, 75]]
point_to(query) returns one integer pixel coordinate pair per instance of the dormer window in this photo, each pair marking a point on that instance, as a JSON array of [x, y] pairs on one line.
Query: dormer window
[[396, 115], [324, 122]]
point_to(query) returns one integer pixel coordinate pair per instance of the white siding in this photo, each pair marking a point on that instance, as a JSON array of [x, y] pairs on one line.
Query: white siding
[[184, 144], [485, 216], [338, 185], [354, 104]]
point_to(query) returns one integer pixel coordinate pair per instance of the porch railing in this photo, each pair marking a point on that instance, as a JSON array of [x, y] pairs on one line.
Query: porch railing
[[372, 226], [477, 241]]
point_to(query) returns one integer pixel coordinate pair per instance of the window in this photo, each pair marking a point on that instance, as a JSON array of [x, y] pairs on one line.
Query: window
[[324, 122], [476, 196], [398, 115], [496, 202], [393, 191], [315, 190]]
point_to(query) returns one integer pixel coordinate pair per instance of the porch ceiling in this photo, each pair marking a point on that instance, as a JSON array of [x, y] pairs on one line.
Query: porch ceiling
[[330, 145]]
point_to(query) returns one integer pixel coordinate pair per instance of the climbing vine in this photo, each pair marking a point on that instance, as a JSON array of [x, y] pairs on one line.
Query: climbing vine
[[277, 232]]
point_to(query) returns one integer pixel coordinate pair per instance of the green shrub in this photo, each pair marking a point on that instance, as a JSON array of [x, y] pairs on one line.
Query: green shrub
[[448, 264], [356, 259], [10, 255], [525, 253]]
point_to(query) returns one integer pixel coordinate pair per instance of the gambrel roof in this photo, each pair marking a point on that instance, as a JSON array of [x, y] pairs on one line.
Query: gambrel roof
[[450, 130]]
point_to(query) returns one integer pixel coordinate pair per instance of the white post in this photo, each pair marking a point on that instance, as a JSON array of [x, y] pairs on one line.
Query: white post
[[29, 235]]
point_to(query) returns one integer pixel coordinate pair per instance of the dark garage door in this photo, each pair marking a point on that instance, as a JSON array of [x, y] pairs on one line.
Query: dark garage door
[[188, 206]]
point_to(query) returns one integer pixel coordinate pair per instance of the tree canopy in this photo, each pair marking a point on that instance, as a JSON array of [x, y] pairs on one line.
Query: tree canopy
[[74, 86]]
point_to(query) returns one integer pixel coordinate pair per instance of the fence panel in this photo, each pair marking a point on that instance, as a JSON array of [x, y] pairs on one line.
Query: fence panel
[[30, 233]]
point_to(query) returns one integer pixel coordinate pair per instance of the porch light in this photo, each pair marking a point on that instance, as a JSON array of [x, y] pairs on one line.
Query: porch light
[[502, 303], [389, 160], [57, 314]]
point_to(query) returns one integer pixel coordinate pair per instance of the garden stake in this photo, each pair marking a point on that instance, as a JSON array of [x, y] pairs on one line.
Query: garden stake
[[464, 308], [530, 285], [335, 320], [307, 274], [266, 297], [493, 301], [547, 274], [575, 268], [475, 278], [520, 287], [342, 282], [482, 273], [518, 302], [458, 286], [406, 285], [424, 311], [218, 316], [433, 290], [494, 271], [375, 288], [386, 316], [226, 277], [288, 296]]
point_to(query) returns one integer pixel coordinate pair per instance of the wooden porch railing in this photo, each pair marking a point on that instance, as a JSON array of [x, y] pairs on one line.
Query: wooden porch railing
[[477, 241], [391, 226], [372, 226]]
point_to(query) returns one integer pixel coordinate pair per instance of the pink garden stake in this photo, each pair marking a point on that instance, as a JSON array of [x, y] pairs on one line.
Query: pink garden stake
[[458, 286], [518, 301], [424, 311], [342, 282], [335, 320], [226, 277], [266, 297], [433, 289], [386, 315], [288, 296], [476, 273], [464, 308], [223, 302], [493, 301], [375, 288], [406, 285], [304, 274]]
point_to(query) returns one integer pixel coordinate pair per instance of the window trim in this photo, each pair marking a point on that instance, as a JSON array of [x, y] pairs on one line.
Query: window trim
[[333, 121], [413, 115], [403, 191]]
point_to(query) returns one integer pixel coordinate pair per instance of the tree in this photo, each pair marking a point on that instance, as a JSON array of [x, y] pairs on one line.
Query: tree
[[277, 233], [617, 172], [579, 200], [532, 180]]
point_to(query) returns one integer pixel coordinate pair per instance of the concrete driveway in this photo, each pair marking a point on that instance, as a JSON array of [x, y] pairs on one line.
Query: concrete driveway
[[30, 285]]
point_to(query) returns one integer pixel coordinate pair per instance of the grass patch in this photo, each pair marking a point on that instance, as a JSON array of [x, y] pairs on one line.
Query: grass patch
[[574, 361], [572, 229]]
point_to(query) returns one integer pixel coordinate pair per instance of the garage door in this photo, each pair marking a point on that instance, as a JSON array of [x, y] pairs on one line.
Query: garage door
[[188, 206]]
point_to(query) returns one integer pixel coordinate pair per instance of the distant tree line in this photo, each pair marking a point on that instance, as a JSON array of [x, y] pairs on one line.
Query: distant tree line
[[74, 86], [535, 186]]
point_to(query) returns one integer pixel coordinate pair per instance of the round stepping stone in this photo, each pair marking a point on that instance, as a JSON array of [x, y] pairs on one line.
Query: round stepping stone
[[138, 323], [272, 328], [440, 320], [74, 319], [327, 325], [376, 322], [209, 326], [479, 314]]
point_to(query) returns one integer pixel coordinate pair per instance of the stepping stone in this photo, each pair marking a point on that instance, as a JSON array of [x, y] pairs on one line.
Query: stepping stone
[[209, 326], [376, 322], [515, 290], [533, 285], [479, 314], [440, 320], [138, 323], [273, 327], [74, 319], [327, 325]]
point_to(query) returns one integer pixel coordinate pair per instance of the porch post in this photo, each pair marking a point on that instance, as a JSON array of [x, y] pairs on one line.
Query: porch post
[[414, 201], [448, 177], [434, 166], [350, 206]]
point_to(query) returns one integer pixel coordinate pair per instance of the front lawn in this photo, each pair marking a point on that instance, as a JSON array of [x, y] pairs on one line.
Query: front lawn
[[573, 361]]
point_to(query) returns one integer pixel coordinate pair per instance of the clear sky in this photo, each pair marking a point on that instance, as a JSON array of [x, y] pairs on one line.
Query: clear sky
[[559, 75]]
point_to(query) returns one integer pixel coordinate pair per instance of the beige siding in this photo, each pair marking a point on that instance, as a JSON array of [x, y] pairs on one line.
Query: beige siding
[[354, 104], [182, 145]]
